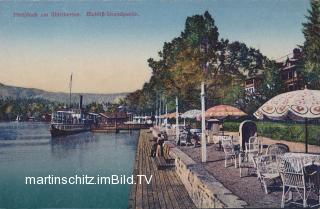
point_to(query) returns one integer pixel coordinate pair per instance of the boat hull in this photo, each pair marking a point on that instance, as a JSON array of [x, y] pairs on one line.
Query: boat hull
[[64, 130]]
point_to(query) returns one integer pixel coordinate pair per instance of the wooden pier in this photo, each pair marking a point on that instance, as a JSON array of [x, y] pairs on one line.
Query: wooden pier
[[120, 127], [165, 190]]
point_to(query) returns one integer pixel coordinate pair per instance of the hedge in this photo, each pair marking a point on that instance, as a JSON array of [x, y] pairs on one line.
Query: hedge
[[282, 131]]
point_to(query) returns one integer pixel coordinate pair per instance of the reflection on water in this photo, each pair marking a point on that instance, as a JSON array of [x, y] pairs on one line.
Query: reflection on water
[[26, 149], [24, 131], [63, 145]]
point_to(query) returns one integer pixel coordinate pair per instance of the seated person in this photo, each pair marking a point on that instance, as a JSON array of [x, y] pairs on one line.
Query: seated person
[[159, 149], [313, 174], [196, 140], [154, 146], [165, 136], [189, 136]]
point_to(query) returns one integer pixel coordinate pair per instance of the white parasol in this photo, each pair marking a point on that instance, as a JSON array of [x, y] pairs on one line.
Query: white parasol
[[300, 105], [191, 114]]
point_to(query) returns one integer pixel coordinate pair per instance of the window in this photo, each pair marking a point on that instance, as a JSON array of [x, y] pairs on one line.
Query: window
[[250, 81], [284, 76], [291, 87], [250, 90]]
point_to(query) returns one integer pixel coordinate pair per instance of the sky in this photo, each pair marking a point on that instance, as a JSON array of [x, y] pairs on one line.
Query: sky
[[109, 54]]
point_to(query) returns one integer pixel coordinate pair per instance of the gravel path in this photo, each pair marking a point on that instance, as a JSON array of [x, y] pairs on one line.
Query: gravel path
[[249, 187]]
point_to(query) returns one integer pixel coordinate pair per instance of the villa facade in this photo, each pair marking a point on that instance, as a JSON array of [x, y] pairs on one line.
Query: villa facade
[[289, 71]]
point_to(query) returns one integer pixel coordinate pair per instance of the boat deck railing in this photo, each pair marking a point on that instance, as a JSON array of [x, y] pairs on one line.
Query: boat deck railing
[[69, 126]]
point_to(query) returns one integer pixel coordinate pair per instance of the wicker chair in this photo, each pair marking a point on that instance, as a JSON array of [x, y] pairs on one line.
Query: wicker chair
[[171, 132], [229, 152], [182, 139], [209, 134], [295, 179], [253, 146], [247, 158], [267, 170], [277, 149]]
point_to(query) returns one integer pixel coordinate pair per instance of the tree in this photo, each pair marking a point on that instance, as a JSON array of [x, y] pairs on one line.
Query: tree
[[26, 107], [198, 54], [272, 83], [94, 107], [311, 47]]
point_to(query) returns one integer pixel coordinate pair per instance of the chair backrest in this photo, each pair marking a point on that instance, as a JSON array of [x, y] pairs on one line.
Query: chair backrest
[[183, 136], [170, 131], [253, 145], [291, 170], [227, 145], [267, 164], [215, 128], [210, 134], [277, 149], [226, 137]]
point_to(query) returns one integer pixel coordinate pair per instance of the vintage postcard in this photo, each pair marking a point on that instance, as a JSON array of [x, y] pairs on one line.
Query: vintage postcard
[[161, 104]]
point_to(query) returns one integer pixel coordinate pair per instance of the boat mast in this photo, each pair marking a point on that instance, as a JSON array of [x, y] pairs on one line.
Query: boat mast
[[70, 87]]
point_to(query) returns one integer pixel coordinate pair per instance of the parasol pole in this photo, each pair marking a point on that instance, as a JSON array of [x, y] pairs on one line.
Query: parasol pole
[[306, 134], [160, 111], [306, 130], [203, 126], [222, 127], [156, 110], [166, 119]]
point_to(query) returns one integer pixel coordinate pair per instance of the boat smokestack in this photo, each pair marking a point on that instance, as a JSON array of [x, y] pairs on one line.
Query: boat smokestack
[[80, 104]]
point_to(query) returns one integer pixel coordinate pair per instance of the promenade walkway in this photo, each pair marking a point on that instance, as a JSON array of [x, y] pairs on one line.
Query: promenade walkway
[[165, 190]]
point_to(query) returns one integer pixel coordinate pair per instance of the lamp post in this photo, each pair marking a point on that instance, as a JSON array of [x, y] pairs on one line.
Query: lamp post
[[166, 119], [156, 111], [177, 120], [203, 126], [203, 107]]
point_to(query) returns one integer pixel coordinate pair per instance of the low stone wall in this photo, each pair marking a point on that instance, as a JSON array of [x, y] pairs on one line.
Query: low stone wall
[[203, 188]]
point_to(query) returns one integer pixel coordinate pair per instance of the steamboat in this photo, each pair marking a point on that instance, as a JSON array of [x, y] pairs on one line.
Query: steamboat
[[66, 122], [70, 121]]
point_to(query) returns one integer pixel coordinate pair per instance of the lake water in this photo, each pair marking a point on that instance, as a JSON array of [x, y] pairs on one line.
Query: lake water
[[26, 149]]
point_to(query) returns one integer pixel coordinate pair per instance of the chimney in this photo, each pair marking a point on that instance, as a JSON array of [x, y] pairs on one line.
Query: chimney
[[296, 53], [80, 104]]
